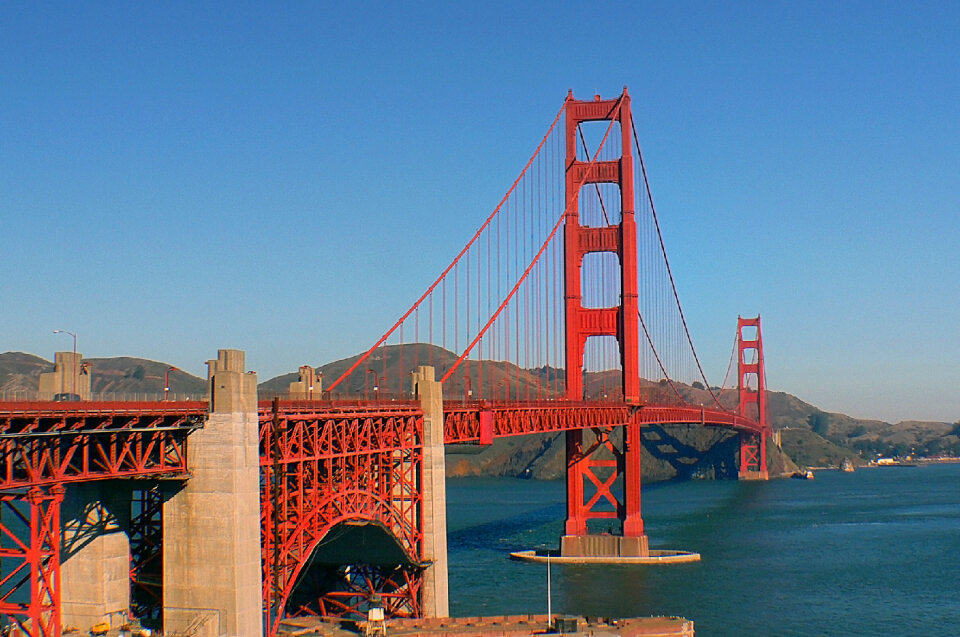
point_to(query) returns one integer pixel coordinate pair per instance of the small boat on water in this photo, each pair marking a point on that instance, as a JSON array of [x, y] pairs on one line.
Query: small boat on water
[[802, 475]]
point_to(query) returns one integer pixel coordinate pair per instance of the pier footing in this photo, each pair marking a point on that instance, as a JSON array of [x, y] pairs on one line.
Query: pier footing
[[604, 545], [495, 626], [654, 556]]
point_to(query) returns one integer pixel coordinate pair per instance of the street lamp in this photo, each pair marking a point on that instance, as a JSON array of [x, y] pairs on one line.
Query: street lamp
[[376, 382], [73, 375], [466, 383], [166, 381]]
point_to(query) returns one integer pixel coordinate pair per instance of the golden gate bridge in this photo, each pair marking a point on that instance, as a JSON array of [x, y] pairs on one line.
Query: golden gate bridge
[[560, 314]]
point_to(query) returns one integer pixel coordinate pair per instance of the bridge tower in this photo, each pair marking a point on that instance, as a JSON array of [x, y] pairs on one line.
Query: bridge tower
[[620, 321], [753, 398]]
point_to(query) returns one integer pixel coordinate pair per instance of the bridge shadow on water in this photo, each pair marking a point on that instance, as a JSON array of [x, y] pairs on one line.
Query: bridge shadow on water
[[508, 534], [693, 453]]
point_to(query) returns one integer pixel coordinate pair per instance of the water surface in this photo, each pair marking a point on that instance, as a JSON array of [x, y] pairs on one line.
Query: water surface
[[871, 552]]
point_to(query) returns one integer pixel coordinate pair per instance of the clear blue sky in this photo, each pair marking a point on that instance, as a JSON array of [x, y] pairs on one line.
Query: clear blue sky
[[286, 178]]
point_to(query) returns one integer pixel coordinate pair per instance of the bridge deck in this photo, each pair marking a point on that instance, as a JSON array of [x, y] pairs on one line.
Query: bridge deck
[[44, 443]]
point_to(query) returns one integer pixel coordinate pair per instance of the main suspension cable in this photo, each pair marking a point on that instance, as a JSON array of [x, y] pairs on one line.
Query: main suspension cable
[[666, 261]]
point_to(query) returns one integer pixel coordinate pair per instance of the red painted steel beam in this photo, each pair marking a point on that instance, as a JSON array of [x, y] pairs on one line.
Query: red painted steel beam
[[752, 383], [323, 464], [53, 443], [30, 583], [462, 423], [621, 239]]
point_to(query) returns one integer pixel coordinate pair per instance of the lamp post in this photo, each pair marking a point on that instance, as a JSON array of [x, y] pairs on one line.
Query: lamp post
[[469, 393], [166, 381], [73, 375], [376, 382]]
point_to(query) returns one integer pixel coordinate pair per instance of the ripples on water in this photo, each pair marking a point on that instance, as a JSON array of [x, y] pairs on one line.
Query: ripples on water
[[874, 552]]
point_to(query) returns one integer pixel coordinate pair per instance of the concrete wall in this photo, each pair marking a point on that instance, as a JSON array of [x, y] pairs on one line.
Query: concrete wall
[[435, 586], [69, 376], [310, 385], [95, 554], [211, 558]]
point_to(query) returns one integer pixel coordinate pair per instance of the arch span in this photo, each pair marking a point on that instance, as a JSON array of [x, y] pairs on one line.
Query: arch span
[[355, 559], [346, 472]]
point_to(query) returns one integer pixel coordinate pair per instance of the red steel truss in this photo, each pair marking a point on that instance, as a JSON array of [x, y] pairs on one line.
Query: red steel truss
[[146, 554], [53, 443], [46, 444], [30, 549], [332, 464], [481, 423], [753, 399], [583, 463]]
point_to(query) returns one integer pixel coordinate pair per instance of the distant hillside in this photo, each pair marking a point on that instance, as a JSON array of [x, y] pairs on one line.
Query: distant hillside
[[20, 372], [121, 378]]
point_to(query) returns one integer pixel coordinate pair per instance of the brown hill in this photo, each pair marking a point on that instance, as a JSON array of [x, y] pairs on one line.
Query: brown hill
[[118, 378], [20, 374]]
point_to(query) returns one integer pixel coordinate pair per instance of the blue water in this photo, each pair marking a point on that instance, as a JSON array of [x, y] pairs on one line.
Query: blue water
[[874, 552]]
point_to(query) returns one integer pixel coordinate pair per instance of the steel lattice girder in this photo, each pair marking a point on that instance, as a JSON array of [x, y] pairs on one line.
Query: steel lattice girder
[[322, 468], [463, 424], [398, 588], [752, 452], [146, 553], [46, 443], [35, 572]]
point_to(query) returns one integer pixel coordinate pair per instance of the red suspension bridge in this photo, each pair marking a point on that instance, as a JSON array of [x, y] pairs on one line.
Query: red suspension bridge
[[560, 314]]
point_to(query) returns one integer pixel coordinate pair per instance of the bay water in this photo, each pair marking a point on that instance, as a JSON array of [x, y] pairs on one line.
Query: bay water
[[874, 552]]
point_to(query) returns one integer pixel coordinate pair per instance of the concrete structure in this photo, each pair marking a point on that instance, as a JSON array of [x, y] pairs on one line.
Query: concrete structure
[[434, 518], [653, 556], [211, 554], [95, 554], [309, 386], [498, 626], [604, 545], [70, 376]]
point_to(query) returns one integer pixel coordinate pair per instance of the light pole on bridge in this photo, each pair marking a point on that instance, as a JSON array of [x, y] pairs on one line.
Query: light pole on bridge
[[376, 382], [166, 381]]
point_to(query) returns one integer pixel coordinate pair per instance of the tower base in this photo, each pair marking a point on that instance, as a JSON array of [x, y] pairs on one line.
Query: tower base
[[604, 546]]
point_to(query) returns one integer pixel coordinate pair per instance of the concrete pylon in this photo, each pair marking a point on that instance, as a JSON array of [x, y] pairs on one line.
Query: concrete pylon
[[70, 377], [434, 519], [309, 386], [95, 554], [211, 528]]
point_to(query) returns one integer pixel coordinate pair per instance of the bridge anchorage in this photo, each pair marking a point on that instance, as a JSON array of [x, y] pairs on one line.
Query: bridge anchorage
[[333, 497]]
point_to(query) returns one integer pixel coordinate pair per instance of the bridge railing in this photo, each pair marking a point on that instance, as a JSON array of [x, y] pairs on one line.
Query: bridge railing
[[32, 395]]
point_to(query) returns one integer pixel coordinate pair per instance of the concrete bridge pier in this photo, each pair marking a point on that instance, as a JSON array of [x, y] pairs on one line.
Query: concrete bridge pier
[[95, 554], [435, 598], [211, 544]]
